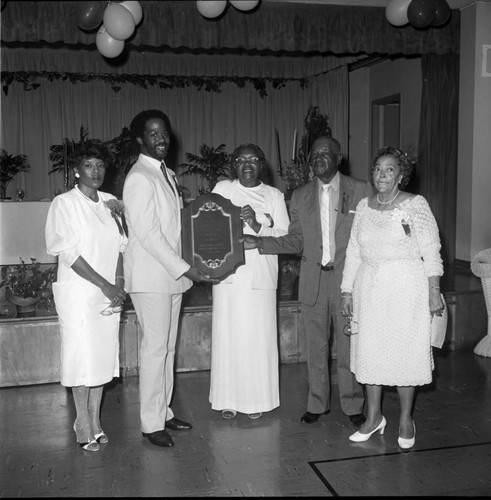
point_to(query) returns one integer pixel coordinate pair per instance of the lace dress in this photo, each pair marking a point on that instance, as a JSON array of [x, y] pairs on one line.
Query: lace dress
[[389, 258]]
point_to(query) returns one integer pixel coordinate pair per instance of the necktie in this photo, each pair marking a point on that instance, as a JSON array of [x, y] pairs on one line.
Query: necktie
[[325, 214], [164, 172]]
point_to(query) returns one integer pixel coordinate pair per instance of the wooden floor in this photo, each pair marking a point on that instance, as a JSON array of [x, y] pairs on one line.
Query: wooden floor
[[272, 456]]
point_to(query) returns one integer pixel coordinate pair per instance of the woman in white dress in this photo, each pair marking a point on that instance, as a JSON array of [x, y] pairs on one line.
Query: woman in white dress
[[84, 228], [244, 355], [390, 290]]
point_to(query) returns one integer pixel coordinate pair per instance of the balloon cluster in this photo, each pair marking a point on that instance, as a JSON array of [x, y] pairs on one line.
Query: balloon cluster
[[215, 8], [119, 20], [419, 13]]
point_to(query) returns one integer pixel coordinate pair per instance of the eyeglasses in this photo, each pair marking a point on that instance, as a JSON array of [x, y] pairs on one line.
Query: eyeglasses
[[107, 311], [351, 327], [242, 161]]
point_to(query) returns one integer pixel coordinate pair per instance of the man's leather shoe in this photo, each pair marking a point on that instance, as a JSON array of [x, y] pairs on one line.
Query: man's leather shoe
[[174, 424], [310, 418], [159, 438], [358, 419]]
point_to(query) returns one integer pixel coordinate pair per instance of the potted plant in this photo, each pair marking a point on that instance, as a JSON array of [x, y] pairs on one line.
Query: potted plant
[[25, 284], [210, 166], [10, 166], [289, 271], [297, 171]]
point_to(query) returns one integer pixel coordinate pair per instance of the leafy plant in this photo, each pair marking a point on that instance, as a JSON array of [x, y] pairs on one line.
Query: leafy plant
[[297, 172], [210, 166], [10, 166], [27, 280]]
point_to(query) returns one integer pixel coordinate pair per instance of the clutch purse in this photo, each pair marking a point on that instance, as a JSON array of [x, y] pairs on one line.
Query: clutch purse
[[439, 327]]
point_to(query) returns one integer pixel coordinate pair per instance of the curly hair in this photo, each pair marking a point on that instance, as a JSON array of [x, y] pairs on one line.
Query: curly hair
[[263, 175], [403, 160], [137, 125], [90, 148]]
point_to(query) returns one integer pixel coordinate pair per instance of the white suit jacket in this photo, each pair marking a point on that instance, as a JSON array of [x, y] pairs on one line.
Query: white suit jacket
[[152, 260]]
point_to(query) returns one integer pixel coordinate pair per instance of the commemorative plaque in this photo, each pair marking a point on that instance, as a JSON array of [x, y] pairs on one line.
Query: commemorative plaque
[[211, 230]]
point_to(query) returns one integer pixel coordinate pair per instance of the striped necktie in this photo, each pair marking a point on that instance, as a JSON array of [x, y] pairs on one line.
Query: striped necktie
[[325, 222], [166, 176]]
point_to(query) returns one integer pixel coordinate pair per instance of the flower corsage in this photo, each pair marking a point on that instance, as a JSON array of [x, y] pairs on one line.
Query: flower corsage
[[404, 218], [116, 207]]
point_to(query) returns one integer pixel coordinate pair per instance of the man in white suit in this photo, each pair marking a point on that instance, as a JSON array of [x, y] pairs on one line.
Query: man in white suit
[[156, 275]]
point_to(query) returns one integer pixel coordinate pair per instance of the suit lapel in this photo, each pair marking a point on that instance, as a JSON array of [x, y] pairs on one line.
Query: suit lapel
[[346, 193], [313, 205]]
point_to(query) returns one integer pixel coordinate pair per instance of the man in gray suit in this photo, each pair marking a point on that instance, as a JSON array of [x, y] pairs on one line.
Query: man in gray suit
[[321, 271]]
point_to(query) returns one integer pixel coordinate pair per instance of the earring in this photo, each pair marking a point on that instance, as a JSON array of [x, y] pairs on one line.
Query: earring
[[77, 175]]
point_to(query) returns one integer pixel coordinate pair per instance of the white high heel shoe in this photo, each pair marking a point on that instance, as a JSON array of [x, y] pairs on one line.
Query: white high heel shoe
[[404, 443], [359, 437]]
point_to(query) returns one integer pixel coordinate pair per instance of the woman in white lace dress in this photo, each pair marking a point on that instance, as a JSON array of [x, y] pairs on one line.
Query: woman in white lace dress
[[390, 290]]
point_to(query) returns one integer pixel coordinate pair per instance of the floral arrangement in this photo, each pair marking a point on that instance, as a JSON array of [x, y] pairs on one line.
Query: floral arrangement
[[289, 264], [116, 207], [10, 166], [27, 280]]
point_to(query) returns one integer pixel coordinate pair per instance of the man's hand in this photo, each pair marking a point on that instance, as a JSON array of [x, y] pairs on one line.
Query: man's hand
[[196, 274], [251, 242]]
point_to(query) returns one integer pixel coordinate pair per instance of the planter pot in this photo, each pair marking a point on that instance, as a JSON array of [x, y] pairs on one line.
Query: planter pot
[[287, 286], [26, 307]]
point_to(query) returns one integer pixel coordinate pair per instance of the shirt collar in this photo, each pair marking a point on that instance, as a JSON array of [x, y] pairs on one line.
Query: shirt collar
[[334, 182]]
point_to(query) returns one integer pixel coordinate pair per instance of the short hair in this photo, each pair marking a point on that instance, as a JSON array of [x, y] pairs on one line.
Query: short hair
[[90, 148], [260, 156], [137, 125], [404, 162], [330, 139]]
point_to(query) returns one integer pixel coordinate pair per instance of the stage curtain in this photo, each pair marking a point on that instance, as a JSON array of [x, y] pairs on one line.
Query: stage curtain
[[273, 27], [438, 141], [34, 120]]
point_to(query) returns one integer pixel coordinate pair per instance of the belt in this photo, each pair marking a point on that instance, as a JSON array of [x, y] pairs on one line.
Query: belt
[[327, 267]]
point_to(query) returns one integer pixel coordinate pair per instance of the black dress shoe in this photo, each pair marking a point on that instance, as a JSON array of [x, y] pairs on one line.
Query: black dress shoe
[[174, 424], [159, 438], [310, 418], [358, 419]]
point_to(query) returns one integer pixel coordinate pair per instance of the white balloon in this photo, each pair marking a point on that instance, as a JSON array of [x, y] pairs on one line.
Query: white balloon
[[211, 9], [135, 9], [118, 21], [244, 5], [107, 45], [396, 12]]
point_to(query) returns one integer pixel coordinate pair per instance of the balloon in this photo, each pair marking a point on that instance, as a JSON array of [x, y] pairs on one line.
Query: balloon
[[421, 13], [89, 14], [396, 12], [118, 21], [244, 5], [107, 45], [134, 8], [211, 9], [442, 13]]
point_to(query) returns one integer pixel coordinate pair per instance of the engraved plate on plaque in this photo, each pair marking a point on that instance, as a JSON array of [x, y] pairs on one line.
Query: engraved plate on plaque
[[211, 229]]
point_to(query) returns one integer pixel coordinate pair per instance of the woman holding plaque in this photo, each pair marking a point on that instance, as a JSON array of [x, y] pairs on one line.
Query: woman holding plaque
[[85, 229], [244, 357]]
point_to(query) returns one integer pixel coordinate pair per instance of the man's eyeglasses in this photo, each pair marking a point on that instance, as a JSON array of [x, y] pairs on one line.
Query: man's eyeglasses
[[242, 161], [351, 327], [107, 311]]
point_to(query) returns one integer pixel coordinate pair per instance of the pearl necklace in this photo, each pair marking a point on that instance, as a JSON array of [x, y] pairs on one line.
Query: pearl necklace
[[387, 202], [85, 196]]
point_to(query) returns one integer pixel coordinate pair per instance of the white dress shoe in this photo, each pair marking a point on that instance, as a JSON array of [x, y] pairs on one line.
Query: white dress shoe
[[404, 443], [359, 437]]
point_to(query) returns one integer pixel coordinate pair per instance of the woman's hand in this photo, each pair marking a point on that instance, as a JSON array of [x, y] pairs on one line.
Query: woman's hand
[[436, 302], [347, 304], [114, 293], [248, 215]]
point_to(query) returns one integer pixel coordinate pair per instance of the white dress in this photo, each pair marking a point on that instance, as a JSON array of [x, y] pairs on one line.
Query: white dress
[[77, 227], [244, 354], [387, 269]]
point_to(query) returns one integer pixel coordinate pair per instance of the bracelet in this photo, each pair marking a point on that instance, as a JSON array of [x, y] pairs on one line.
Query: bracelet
[[437, 287], [120, 277]]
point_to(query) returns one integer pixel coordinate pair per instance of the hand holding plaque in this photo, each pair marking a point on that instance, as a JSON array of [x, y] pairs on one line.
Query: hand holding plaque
[[212, 235]]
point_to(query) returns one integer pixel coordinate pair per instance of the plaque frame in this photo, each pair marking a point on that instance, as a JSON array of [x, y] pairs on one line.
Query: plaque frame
[[211, 235]]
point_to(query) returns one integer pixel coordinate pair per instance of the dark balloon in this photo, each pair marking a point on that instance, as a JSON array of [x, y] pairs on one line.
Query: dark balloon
[[442, 13], [421, 13], [89, 14]]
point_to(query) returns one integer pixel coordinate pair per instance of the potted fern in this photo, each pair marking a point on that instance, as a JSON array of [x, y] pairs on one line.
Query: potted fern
[[210, 166], [10, 166]]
